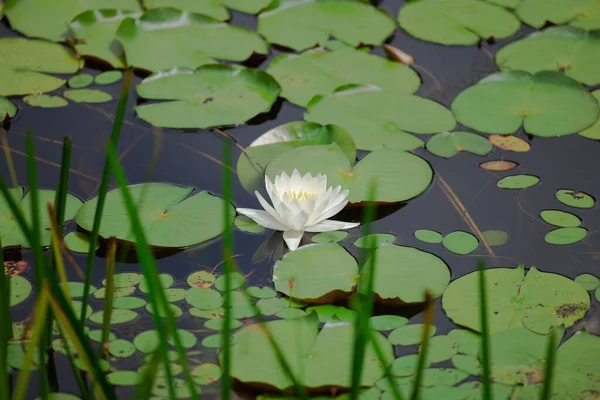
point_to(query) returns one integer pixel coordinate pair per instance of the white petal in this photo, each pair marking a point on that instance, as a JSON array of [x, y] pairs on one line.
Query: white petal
[[271, 190], [337, 204], [292, 239], [331, 225], [262, 218], [269, 209]]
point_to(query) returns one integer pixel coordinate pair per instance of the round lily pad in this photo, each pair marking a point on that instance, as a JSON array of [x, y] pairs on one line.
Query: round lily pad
[[448, 144], [378, 117], [7, 109], [261, 292], [565, 236], [45, 101], [87, 96], [560, 218], [162, 313], [467, 363], [125, 279], [409, 334], [20, 289], [78, 242], [510, 143], [204, 298], [457, 22], [108, 77], [124, 378], [212, 95], [468, 341], [216, 324], [236, 279], [80, 81], [246, 224], [398, 175], [460, 242], [495, 237], [76, 289], [593, 132], [441, 348], [518, 182], [319, 72], [406, 365], [129, 303], [206, 374], [166, 281], [290, 313], [575, 199], [203, 279], [540, 321], [584, 14], [121, 348], [15, 267], [500, 165], [428, 236], [547, 104], [270, 306], [588, 281], [187, 339], [374, 240], [510, 294], [118, 316], [175, 294], [146, 342], [329, 237], [316, 273], [286, 23], [171, 217], [213, 341], [387, 322]]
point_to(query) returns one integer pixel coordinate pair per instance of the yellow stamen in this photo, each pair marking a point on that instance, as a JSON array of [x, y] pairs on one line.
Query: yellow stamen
[[298, 194]]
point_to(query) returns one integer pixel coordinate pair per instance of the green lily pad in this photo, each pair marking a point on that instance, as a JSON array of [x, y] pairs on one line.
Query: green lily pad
[[378, 117], [117, 292], [290, 313], [206, 374], [187, 339], [204, 298], [511, 293], [236, 279], [166, 281], [316, 273], [203, 279], [48, 20], [467, 363], [94, 32], [75, 289], [45, 101], [403, 274], [398, 175], [597, 294], [261, 292], [80, 81], [270, 306], [560, 218], [124, 378], [387, 322], [518, 182], [460, 242], [175, 294], [495, 237], [448, 144], [146, 342], [78, 242], [20, 289], [457, 22], [566, 236], [539, 321], [246, 224], [328, 312], [409, 334], [319, 72], [441, 348], [108, 77], [329, 237], [87, 96], [212, 95], [300, 25], [129, 303], [374, 240], [185, 40], [169, 215], [575, 199], [11, 234], [121, 348], [118, 316], [214, 341], [179, 386], [468, 341], [24, 64], [406, 365], [583, 14], [216, 324], [428, 236], [247, 6], [283, 138], [125, 279], [593, 132], [588, 281], [573, 50], [7, 109], [547, 103], [322, 355], [213, 9]]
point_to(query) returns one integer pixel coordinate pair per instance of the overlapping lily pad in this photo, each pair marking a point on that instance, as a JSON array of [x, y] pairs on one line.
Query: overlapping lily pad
[[319, 72], [573, 50], [184, 39], [247, 6], [511, 294], [213, 9], [584, 14], [460, 22], [547, 104], [322, 356], [397, 175], [301, 24], [593, 132], [45, 101], [212, 95], [24, 64], [448, 144], [169, 215], [377, 117], [7, 109], [87, 96]]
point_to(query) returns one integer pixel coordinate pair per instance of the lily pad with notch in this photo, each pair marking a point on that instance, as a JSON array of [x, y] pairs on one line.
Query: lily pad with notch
[[8, 110], [329, 237], [448, 144], [575, 199], [583, 14], [374, 240], [213, 9]]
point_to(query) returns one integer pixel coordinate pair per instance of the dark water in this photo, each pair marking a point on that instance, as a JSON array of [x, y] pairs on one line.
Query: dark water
[[192, 158]]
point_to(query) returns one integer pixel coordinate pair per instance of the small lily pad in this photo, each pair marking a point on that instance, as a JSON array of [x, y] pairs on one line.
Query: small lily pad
[[45, 101], [460, 242], [203, 279], [269, 306], [329, 237], [374, 240], [518, 182], [495, 237], [566, 236], [216, 324], [87, 96], [146, 342], [188, 339], [108, 77], [78, 242], [121, 348], [261, 292], [129, 303], [20, 289], [124, 378], [467, 363], [429, 236], [406, 365], [246, 224], [441, 348], [510, 143], [387, 322], [409, 334], [80, 81], [118, 316], [217, 313], [499, 165], [560, 218], [7, 109], [575, 199], [448, 144], [290, 313], [468, 341], [204, 298], [125, 279], [588, 281], [117, 292], [175, 294], [206, 374], [540, 321], [96, 335], [76, 289], [236, 279]]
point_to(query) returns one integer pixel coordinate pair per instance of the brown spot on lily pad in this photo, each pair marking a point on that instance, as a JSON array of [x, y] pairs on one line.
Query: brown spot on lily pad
[[567, 310], [510, 143]]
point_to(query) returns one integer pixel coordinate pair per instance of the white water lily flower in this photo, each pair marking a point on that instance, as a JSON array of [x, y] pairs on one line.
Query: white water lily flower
[[300, 204]]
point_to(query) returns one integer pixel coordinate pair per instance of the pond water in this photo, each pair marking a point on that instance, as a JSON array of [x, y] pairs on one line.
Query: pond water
[[193, 158]]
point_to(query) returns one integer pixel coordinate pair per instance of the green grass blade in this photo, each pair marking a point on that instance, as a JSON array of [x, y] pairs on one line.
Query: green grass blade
[[227, 258], [424, 348], [60, 199], [387, 369], [83, 389], [549, 370], [144, 388], [485, 338]]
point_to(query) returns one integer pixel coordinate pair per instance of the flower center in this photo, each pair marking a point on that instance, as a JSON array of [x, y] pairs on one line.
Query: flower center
[[299, 194]]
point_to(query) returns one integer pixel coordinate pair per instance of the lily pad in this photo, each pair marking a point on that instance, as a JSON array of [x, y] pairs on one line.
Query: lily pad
[[467, 363], [204, 298], [441, 348], [593, 132], [247, 6], [45, 101], [374, 240], [118, 316], [125, 279], [80, 81], [185, 40], [511, 293], [24, 64], [387, 322], [290, 313], [377, 117], [460, 242], [117, 292], [397, 175], [500, 165], [7, 109], [10, 232], [566, 236], [206, 374], [328, 312], [78, 242], [510, 143], [300, 25], [518, 182], [216, 324], [329, 237], [87, 96], [146, 342], [235, 278], [213, 9], [212, 95], [560, 218], [448, 144], [203, 279], [457, 22], [573, 50], [316, 273], [129, 303], [406, 365], [540, 321], [75, 289], [246, 224], [495, 237], [547, 103], [319, 72], [584, 14], [468, 341], [169, 215], [20, 289], [323, 355], [124, 378], [261, 292], [588, 281], [270, 306], [409, 334], [108, 77], [575, 199], [429, 236], [121, 348]]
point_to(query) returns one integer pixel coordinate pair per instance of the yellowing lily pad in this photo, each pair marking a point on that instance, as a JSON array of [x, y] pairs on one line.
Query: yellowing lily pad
[[495, 237], [510, 143], [45, 101], [500, 165]]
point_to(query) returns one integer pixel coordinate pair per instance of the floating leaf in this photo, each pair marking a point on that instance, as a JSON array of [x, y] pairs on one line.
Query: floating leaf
[[374, 240], [499, 165], [87, 96], [217, 313], [457, 22], [80, 81], [510, 143], [214, 341], [7, 109], [146, 342], [290, 313], [468, 341], [129, 303], [124, 378], [518, 182], [584, 14], [565, 236], [15, 267], [118, 316], [216, 324], [460, 242], [186, 338], [212, 95], [448, 144], [23, 64], [206, 374], [261, 292], [165, 280], [125, 279], [495, 237], [179, 386], [398, 175], [204, 298], [593, 132], [560, 218], [409, 334], [387, 322], [317, 273], [121, 348], [78, 242], [117, 292], [203, 279], [213, 9], [175, 294], [300, 25], [560, 48], [588, 281], [45, 101], [467, 363], [185, 40], [539, 321], [10, 232], [319, 72], [547, 103], [75, 289], [169, 215], [108, 77], [575, 199], [328, 312], [510, 294], [20, 289], [406, 365], [246, 224], [235, 278], [270, 306], [428, 236], [441, 348], [377, 117], [247, 6], [329, 237]]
